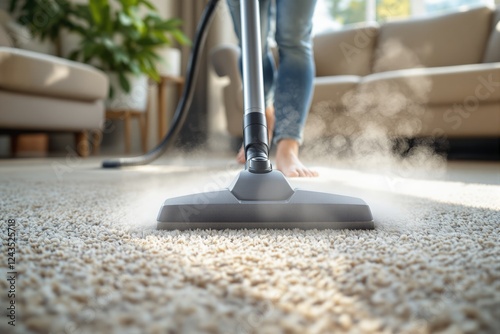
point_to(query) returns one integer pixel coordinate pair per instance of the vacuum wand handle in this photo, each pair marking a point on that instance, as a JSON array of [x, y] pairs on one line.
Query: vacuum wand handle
[[254, 122]]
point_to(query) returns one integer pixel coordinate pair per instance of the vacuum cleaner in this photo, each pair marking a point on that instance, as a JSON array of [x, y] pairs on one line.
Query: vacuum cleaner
[[259, 197]]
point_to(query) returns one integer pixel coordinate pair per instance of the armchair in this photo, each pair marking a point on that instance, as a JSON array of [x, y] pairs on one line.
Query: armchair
[[43, 93]]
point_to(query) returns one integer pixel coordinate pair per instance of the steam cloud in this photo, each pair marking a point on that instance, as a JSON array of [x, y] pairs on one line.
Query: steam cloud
[[365, 129]]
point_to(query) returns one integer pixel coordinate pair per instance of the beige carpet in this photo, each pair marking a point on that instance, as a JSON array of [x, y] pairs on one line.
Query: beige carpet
[[90, 260]]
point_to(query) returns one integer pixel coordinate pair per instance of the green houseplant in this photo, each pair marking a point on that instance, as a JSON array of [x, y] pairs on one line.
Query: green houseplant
[[44, 18], [121, 37], [120, 40]]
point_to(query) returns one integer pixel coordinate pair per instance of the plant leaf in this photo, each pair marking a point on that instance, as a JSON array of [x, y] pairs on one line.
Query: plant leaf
[[124, 19], [95, 7], [108, 43], [124, 84], [134, 68], [137, 20], [148, 4], [180, 37], [169, 24]]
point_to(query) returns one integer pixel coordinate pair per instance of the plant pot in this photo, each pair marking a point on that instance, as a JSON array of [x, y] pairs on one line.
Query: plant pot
[[136, 99], [170, 63]]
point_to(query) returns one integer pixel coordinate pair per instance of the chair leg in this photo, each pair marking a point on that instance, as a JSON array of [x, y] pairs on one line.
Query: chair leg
[[82, 143], [127, 132]]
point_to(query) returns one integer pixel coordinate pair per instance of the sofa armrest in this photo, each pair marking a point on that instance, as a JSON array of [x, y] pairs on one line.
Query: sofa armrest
[[28, 72], [226, 59]]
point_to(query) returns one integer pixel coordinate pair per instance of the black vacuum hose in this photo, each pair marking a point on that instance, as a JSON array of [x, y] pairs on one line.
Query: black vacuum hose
[[185, 102]]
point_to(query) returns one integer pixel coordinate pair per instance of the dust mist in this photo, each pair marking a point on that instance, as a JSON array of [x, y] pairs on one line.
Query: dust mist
[[180, 172], [358, 134], [364, 130], [372, 137]]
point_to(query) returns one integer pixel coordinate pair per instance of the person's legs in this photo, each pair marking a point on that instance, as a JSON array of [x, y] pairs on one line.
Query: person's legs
[[294, 82], [268, 64]]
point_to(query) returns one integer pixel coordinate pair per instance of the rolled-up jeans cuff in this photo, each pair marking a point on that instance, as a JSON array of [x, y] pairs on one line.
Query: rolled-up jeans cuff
[[277, 138]]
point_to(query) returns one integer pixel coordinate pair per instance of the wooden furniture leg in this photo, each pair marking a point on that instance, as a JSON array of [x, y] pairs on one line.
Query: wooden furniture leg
[[128, 133], [180, 88], [162, 109], [96, 141], [82, 143], [144, 131], [162, 101]]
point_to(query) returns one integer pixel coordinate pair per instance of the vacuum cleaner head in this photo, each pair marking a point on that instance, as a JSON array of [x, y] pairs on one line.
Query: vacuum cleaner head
[[264, 200], [260, 197]]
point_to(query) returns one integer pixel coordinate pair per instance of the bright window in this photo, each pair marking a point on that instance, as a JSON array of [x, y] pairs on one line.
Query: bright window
[[333, 14], [436, 6]]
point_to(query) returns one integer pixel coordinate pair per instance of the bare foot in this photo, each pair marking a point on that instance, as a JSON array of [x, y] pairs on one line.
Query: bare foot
[[287, 160], [240, 157]]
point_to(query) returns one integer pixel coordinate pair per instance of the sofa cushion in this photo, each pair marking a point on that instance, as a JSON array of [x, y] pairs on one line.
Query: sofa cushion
[[5, 40], [492, 52], [333, 88], [345, 52], [464, 84], [452, 39], [34, 73], [23, 111]]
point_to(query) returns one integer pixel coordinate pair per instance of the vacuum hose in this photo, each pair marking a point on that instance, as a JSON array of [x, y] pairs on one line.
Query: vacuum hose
[[185, 102]]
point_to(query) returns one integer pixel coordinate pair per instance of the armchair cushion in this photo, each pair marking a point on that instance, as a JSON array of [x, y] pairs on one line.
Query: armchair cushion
[[30, 112], [29, 72], [347, 52], [492, 53], [453, 39]]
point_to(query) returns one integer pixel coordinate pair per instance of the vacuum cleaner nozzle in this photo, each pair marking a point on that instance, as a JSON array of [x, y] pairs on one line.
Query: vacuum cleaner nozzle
[[264, 200], [261, 197]]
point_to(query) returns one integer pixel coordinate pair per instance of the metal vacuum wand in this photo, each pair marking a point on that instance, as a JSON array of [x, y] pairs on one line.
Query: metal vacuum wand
[[254, 122]]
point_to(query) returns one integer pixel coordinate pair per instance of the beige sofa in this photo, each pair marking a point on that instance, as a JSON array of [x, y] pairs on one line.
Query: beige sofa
[[436, 76], [40, 92]]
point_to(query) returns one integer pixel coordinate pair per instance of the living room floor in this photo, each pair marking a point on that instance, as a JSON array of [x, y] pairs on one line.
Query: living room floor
[[89, 258]]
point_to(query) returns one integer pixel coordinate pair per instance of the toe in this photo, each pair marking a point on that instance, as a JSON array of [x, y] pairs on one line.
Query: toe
[[311, 173]]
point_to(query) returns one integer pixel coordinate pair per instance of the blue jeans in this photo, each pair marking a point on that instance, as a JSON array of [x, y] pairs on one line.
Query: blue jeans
[[289, 86]]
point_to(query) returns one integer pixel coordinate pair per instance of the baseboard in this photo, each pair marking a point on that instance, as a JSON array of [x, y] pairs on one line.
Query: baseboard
[[482, 149], [474, 149]]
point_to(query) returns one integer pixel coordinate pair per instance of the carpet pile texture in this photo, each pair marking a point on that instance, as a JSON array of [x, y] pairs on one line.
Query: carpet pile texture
[[90, 260]]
